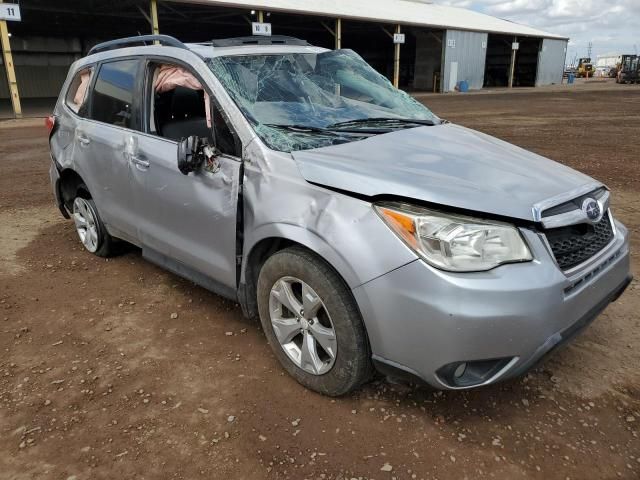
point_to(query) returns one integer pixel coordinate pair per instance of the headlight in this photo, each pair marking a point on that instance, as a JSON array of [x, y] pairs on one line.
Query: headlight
[[455, 242]]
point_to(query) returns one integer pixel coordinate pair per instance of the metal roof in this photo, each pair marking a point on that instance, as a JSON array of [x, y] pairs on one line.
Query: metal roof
[[407, 12]]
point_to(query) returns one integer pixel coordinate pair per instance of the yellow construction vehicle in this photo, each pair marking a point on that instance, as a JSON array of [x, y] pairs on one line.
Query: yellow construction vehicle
[[627, 71], [585, 68]]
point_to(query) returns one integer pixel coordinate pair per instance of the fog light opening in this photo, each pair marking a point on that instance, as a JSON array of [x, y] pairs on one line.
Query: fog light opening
[[465, 374], [460, 369]]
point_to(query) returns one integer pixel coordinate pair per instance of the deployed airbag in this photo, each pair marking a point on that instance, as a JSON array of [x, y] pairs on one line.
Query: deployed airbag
[[170, 76], [81, 92]]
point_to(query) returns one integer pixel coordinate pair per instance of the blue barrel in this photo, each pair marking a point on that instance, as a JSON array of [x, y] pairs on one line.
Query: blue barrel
[[570, 78], [463, 86]]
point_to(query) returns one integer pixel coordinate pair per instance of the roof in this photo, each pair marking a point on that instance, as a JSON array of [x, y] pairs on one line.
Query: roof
[[407, 12], [206, 51]]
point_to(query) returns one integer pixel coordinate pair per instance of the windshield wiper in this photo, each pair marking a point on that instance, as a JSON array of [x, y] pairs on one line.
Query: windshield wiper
[[386, 121], [310, 129], [297, 128]]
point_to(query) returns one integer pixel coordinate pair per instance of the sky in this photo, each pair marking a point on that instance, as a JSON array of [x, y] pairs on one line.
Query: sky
[[612, 26]]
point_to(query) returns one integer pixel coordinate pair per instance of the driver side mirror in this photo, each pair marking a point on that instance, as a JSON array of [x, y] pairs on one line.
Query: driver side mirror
[[190, 154]]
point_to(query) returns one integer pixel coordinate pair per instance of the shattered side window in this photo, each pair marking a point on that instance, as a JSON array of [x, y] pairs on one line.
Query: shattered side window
[[293, 100], [76, 98]]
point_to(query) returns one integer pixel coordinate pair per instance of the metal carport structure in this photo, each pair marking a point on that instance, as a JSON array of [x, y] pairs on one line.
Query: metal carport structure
[[444, 45]]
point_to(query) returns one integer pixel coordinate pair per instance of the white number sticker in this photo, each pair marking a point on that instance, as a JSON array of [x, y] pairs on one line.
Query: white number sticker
[[263, 29], [398, 38], [10, 11]]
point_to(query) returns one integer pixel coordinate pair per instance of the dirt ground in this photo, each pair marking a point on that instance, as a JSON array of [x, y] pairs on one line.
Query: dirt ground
[[117, 369]]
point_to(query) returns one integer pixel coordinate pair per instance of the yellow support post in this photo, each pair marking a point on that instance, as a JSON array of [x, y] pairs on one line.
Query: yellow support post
[[260, 16], [338, 33], [11, 72], [396, 62], [155, 27]]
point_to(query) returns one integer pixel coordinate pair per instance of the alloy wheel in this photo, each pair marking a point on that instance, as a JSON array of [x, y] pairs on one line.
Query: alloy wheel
[[86, 224], [302, 325]]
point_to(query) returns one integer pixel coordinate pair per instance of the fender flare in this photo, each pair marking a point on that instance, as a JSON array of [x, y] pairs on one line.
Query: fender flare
[[307, 239]]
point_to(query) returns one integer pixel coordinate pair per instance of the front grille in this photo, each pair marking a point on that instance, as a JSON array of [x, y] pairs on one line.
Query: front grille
[[574, 204], [573, 244]]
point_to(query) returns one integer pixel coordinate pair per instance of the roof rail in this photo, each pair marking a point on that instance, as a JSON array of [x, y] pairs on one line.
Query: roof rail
[[258, 40], [125, 42]]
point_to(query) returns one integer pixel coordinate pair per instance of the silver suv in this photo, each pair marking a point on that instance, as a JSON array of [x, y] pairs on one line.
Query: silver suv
[[363, 230]]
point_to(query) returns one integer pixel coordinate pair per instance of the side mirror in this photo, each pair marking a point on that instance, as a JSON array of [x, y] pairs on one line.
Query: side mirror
[[190, 155]]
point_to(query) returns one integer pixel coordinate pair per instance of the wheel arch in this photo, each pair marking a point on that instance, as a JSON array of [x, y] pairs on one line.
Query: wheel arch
[[70, 185], [276, 238]]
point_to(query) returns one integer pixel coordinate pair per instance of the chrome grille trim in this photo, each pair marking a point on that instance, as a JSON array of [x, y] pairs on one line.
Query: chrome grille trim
[[540, 207], [575, 216]]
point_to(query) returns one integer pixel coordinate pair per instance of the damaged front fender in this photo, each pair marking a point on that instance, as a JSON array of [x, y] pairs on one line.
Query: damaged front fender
[[343, 230]]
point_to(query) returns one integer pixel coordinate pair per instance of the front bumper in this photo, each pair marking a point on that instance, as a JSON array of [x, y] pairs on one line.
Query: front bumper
[[421, 320]]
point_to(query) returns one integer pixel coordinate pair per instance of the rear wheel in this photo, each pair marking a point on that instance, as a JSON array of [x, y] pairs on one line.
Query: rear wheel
[[312, 322], [90, 229]]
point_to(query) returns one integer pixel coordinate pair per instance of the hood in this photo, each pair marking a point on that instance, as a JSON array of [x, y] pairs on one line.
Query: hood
[[444, 164]]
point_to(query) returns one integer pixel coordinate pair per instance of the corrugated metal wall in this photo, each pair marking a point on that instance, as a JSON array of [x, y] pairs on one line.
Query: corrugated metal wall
[[41, 65], [4, 85], [551, 61], [464, 57]]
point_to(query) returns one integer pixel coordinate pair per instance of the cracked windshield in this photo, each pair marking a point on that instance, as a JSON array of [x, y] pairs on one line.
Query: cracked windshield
[[299, 101]]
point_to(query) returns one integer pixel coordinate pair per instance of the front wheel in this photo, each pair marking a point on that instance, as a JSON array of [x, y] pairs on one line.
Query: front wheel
[[312, 322]]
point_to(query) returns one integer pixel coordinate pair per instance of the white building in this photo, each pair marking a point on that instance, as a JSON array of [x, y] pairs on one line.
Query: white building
[[606, 62]]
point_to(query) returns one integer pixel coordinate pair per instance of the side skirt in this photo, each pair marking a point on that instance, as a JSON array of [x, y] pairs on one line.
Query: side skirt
[[189, 273]]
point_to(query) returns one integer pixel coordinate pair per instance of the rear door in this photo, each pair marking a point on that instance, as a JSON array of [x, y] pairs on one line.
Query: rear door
[[106, 140], [72, 112], [187, 220]]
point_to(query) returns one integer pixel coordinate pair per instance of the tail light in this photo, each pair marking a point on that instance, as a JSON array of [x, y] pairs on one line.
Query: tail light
[[50, 123]]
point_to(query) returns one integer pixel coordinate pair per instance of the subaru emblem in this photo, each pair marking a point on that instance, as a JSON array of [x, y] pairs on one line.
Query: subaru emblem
[[591, 209]]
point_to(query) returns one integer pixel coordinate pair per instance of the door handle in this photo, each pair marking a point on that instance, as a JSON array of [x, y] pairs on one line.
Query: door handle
[[139, 161], [84, 140]]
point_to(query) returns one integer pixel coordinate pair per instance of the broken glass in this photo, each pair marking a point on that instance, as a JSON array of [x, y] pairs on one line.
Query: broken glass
[[293, 99]]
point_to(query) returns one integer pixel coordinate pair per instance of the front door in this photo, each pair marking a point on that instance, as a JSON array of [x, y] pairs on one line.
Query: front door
[[191, 218], [188, 218]]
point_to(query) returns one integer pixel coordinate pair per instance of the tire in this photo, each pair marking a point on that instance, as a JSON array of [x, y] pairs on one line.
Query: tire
[[89, 226], [350, 365]]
